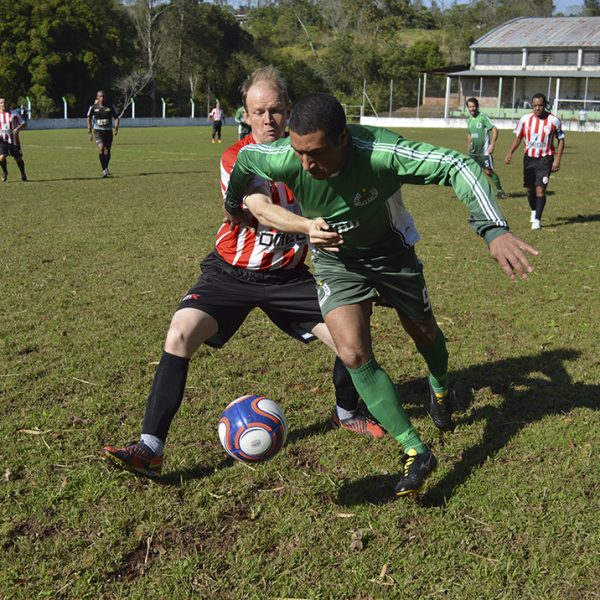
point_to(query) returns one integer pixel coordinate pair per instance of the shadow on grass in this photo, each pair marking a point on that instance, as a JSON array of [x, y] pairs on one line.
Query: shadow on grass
[[523, 194], [576, 219], [532, 387], [120, 176], [196, 472]]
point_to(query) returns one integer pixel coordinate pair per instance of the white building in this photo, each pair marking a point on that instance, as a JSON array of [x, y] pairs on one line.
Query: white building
[[558, 56]]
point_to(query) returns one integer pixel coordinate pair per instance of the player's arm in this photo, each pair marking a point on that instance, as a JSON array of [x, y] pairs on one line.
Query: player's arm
[[493, 138], [260, 204], [469, 142], [560, 147], [116, 119], [89, 123], [422, 163]]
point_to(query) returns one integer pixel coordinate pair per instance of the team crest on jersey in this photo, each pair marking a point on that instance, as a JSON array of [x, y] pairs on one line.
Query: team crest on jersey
[[365, 196]]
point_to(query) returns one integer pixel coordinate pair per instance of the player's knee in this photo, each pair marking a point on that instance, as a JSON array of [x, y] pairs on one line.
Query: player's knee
[[353, 357], [179, 340]]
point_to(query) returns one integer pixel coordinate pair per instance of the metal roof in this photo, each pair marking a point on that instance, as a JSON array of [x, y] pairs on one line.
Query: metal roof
[[533, 32], [525, 73]]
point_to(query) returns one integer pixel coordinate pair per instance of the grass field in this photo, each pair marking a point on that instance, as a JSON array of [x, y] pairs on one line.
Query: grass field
[[91, 271]]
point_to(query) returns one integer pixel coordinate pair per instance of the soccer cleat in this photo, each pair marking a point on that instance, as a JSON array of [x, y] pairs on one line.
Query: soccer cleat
[[23, 177], [104, 173], [415, 468], [502, 194], [4, 176], [360, 423], [219, 141], [212, 141], [536, 224], [135, 457], [107, 172], [440, 409]]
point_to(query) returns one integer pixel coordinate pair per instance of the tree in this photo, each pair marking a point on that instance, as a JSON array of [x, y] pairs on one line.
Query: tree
[[56, 48], [146, 16]]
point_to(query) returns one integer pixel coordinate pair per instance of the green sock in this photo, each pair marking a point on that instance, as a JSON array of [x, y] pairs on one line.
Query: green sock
[[377, 390], [436, 357], [496, 180]]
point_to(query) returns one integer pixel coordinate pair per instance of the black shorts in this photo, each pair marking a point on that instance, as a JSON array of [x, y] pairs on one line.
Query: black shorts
[[228, 294], [536, 171], [217, 126], [103, 136], [7, 149]]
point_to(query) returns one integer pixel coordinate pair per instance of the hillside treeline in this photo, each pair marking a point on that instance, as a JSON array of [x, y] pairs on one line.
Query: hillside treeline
[[186, 50]]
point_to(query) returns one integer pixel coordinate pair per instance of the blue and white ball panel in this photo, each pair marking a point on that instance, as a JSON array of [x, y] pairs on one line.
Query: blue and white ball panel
[[252, 428]]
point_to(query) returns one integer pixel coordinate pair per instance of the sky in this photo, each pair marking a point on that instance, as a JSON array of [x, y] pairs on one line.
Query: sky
[[564, 6]]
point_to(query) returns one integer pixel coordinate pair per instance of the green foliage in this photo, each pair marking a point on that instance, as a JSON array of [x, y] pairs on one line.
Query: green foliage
[[55, 48], [91, 273]]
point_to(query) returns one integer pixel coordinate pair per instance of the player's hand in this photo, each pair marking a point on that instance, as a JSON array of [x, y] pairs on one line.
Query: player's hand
[[509, 252], [244, 219], [90, 137], [491, 149], [555, 166], [321, 235], [508, 158], [116, 131]]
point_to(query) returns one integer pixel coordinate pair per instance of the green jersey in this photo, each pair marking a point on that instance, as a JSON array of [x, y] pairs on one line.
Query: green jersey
[[364, 201], [479, 128]]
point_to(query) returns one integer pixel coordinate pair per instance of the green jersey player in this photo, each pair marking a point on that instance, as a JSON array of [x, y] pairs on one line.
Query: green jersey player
[[481, 141], [348, 180]]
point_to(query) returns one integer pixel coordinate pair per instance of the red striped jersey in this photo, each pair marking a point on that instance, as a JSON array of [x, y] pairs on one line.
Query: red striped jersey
[[261, 249], [8, 123], [538, 134]]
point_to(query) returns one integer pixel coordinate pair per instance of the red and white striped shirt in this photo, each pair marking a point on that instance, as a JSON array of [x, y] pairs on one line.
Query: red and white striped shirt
[[8, 124], [261, 249], [538, 134], [216, 114]]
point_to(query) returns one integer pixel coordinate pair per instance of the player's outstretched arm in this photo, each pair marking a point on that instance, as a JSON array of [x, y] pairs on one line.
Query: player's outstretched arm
[[509, 252], [281, 219]]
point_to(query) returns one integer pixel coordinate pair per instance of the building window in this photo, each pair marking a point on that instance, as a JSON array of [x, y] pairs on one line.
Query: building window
[[552, 57], [498, 58], [591, 58]]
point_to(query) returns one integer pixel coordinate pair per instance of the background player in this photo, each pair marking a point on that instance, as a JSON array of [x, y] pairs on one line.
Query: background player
[[538, 131], [217, 116], [10, 145], [100, 118], [249, 268], [481, 142], [240, 118]]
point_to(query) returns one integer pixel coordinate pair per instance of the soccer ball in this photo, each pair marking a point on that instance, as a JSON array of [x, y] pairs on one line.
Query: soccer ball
[[252, 428]]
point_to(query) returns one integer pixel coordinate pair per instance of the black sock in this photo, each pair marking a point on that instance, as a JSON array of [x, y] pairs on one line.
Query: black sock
[[101, 156], [3, 165], [21, 165], [531, 200], [346, 396], [166, 395], [107, 159], [540, 203]]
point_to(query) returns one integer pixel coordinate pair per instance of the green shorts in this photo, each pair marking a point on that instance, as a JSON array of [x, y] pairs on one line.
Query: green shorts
[[485, 161], [394, 281]]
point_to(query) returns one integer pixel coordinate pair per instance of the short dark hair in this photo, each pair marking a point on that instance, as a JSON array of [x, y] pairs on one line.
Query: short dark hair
[[542, 96], [318, 112], [472, 100]]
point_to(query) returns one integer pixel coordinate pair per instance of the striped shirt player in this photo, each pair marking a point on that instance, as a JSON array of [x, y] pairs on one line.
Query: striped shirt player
[[259, 248], [10, 144], [217, 116], [349, 179], [539, 131]]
